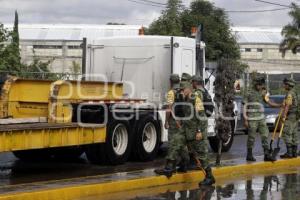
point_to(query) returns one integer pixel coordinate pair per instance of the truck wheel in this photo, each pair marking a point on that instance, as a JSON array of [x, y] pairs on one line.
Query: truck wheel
[[147, 139], [68, 153], [37, 155], [117, 147], [215, 141]]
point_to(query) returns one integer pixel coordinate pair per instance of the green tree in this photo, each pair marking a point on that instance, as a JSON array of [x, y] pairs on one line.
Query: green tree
[[10, 61], [291, 32], [12, 51], [220, 42], [169, 23]]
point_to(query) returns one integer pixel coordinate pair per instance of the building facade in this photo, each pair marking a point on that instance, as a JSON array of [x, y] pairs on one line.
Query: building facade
[[260, 50], [61, 44]]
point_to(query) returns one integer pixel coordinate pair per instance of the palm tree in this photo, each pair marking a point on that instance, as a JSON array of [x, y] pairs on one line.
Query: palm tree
[[291, 32]]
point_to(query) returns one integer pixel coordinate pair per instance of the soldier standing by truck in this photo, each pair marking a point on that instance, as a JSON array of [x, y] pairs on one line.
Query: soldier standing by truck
[[290, 119], [255, 119], [177, 150], [196, 128]]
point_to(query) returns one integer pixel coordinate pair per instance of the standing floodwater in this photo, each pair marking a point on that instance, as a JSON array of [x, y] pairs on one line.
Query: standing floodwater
[[274, 187]]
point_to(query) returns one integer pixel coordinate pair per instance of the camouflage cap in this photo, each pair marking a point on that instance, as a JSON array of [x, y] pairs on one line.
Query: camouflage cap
[[186, 77], [175, 78], [197, 78], [289, 81], [259, 81]]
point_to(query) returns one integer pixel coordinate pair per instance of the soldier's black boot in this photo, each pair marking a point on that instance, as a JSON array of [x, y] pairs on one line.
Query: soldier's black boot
[[288, 154], [295, 148], [209, 178], [183, 167], [168, 170], [268, 156], [250, 155]]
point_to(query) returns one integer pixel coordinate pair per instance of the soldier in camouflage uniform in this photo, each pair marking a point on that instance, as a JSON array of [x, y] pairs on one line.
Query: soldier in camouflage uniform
[[177, 150], [255, 119], [289, 118], [196, 127], [186, 78]]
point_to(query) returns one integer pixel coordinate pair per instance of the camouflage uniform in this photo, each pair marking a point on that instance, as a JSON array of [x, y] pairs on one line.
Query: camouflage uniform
[[177, 149], [290, 130], [198, 124], [256, 120], [176, 139]]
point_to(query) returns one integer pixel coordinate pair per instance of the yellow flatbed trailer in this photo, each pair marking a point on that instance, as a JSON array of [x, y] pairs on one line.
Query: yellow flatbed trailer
[[18, 137], [71, 117]]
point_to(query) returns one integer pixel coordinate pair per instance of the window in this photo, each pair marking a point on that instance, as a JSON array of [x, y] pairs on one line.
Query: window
[[74, 47], [248, 49], [47, 46], [259, 50]]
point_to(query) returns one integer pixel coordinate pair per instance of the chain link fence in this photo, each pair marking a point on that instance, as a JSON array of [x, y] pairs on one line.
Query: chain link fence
[[274, 82]]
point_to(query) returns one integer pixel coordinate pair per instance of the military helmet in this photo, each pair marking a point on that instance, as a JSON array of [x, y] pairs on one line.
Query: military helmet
[[197, 78], [174, 78], [259, 81], [186, 77], [289, 81]]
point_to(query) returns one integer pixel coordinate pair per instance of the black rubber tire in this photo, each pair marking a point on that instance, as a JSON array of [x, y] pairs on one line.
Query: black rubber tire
[[37, 155], [68, 153], [104, 153], [140, 153], [226, 146]]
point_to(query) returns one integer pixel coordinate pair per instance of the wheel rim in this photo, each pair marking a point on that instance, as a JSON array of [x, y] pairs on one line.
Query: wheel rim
[[120, 139], [149, 138]]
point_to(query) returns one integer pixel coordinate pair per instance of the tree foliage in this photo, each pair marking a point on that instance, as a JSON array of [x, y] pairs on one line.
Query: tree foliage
[[176, 21], [169, 23], [220, 43], [10, 61], [291, 32]]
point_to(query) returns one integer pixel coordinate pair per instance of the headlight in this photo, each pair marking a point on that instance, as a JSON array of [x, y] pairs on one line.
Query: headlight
[[271, 116]]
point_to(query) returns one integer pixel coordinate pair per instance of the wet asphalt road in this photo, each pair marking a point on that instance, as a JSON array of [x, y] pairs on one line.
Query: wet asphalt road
[[13, 171], [271, 186]]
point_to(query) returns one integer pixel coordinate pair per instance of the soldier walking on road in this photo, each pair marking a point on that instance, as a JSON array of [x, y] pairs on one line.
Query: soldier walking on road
[[289, 118], [255, 119], [177, 149], [196, 127]]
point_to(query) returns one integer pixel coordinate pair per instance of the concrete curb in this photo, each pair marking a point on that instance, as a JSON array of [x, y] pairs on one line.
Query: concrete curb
[[83, 191]]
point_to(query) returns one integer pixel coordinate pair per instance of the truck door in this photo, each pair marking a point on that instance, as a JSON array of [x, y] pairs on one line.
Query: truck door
[[184, 56]]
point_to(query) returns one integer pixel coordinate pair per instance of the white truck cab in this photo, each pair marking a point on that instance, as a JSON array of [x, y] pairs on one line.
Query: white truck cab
[[145, 63]]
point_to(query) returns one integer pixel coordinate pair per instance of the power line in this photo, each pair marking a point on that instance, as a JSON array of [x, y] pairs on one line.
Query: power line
[[162, 5], [154, 2], [255, 11], [273, 3], [147, 4]]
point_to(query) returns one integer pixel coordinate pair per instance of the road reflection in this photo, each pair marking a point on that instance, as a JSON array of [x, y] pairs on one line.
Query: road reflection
[[286, 186]]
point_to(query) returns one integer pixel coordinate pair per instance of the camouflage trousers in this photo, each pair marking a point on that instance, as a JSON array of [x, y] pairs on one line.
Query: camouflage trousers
[[261, 127], [177, 149], [198, 149], [290, 131]]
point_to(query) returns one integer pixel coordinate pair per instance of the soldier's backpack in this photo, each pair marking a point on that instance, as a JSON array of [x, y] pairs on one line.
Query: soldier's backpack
[[208, 103], [179, 107]]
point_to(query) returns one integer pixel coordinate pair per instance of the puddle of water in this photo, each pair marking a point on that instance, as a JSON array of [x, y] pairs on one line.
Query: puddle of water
[[276, 187]]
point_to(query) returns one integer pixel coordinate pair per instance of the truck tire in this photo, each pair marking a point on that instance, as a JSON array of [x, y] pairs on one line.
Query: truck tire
[[215, 141], [36, 155], [117, 147], [147, 139]]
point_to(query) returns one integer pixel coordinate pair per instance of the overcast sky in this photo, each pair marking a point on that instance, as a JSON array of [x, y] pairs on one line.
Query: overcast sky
[[103, 11]]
